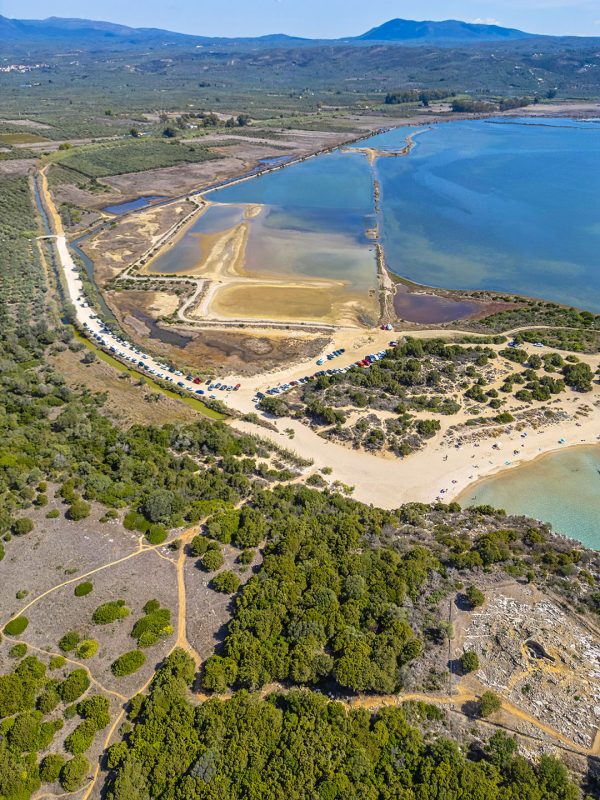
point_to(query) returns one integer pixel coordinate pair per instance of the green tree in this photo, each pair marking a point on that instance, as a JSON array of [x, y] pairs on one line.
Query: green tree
[[469, 661], [475, 597], [212, 560], [489, 703], [50, 767], [74, 685], [226, 582], [79, 510], [73, 773]]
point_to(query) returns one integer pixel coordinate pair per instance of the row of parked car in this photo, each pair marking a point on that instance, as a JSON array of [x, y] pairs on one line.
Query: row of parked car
[[361, 364], [331, 356], [164, 372]]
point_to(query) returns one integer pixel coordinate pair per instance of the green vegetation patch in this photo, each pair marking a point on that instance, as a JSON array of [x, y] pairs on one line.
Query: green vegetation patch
[[21, 138], [16, 626], [153, 626], [18, 650], [226, 582], [110, 612], [128, 663], [300, 744], [83, 588], [72, 775], [74, 685], [137, 155], [87, 648]]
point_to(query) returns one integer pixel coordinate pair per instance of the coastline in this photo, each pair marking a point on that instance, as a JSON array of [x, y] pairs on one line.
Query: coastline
[[524, 464], [390, 482]]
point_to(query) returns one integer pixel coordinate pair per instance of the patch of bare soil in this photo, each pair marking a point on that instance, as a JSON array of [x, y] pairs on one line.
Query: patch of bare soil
[[127, 403], [57, 550], [127, 239], [17, 167], [26, 123], [174, 181], [54, 615], [208, 611]]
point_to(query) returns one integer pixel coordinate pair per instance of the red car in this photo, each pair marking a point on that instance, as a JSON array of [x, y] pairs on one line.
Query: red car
[[197, 380]]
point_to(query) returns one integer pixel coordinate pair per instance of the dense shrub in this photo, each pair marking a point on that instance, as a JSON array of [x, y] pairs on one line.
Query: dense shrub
[[81, 738], [153, 626], [83, 588], [79, 510], [50, 767], [110, 612], [74, 685], [489, 703], [198, 546], [156, 534], [96, 709], [212, 560], [73, 773], [87, 648], [469, 661], [128, 663], [22, 526], [69, 641], [301, 745], [48, 700], [226, 582], [16, 626], [475, 597]]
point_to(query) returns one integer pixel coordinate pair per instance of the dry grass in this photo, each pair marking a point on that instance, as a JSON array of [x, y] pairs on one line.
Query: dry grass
[[126, 403]]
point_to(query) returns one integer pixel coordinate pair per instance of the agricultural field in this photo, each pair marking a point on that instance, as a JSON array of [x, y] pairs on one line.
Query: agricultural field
[[133, 156], [21, 137]]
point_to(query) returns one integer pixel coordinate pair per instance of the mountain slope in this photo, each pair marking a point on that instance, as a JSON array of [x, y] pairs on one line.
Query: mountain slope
[[406, 30], [82, 33], [53, 32]]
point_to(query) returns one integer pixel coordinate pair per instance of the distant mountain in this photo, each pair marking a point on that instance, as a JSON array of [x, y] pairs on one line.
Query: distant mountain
[[83, 34], [20, 33], [451, 30]]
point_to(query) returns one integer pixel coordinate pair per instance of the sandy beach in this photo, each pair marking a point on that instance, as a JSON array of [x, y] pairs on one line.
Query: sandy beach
[[440, 470], [436, 472]]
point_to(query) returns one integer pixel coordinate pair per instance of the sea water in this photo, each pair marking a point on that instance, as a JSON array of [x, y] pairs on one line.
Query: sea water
[[561, 488], [508, 205]]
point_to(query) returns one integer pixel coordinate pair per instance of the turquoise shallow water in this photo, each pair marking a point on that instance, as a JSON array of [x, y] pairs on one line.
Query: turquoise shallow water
[[561, 488], [503, 205]]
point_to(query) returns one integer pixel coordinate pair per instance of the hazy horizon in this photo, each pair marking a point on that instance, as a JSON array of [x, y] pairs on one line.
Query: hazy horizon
[[319, 18]]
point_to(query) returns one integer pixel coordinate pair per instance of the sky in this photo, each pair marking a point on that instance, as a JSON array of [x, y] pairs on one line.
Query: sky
[[316, 18]]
